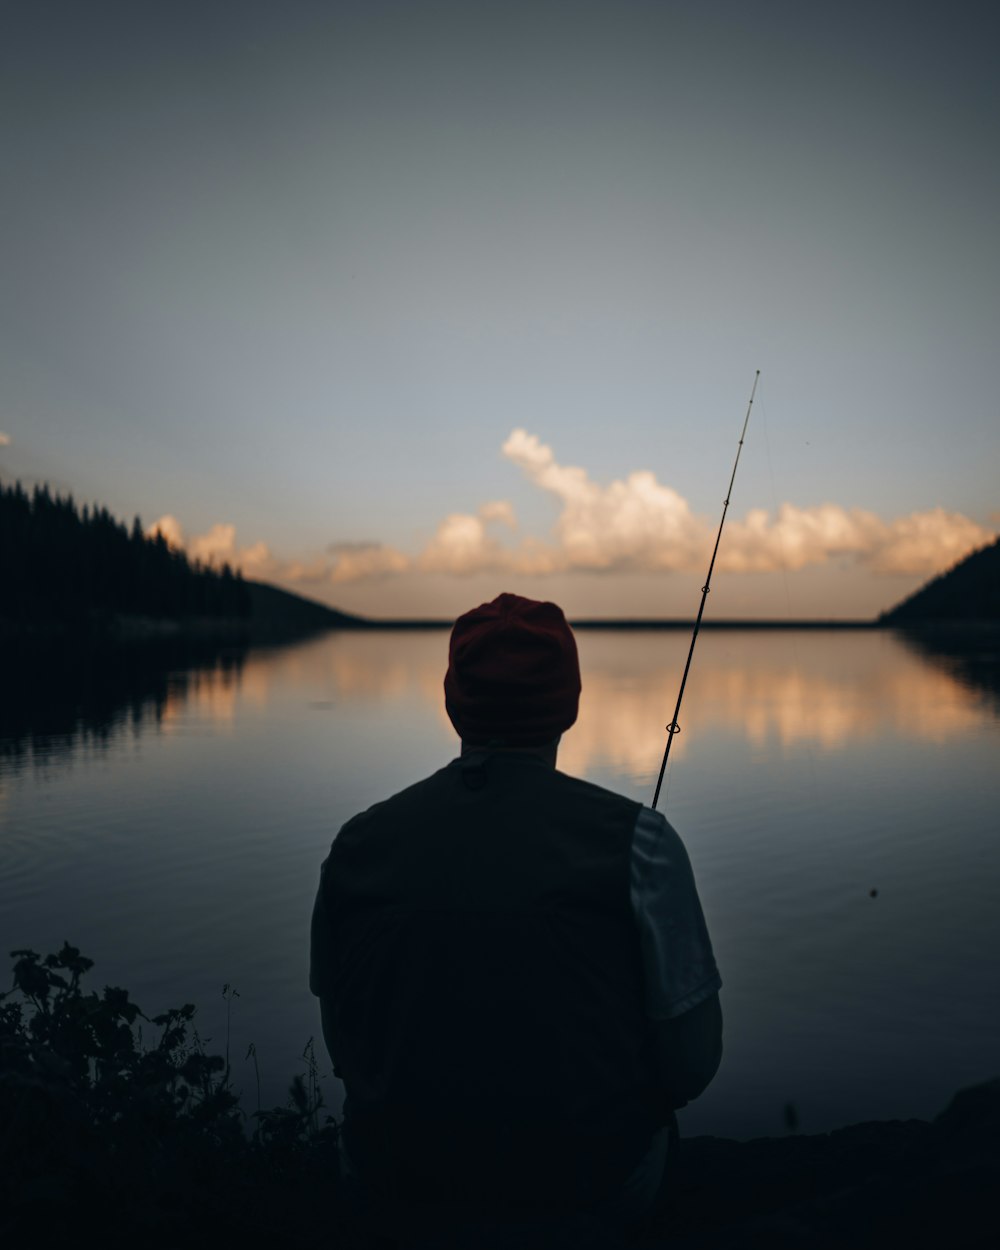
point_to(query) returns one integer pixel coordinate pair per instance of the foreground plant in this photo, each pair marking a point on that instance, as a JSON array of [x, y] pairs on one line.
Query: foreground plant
[[109, 1112]]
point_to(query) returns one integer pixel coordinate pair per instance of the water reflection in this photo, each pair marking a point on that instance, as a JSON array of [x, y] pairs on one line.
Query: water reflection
[[208, 691], [58, 698], [775, 690], [970, 657], [767, 687], [182, 852]]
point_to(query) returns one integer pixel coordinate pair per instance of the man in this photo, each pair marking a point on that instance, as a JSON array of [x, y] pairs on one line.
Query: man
[[516, 981]]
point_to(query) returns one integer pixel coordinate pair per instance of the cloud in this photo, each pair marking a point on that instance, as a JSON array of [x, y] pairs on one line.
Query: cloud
[[499, 510], [926, 542], [464, 544], [170, 528], [922, 542], [217, 546], [631, 524], [351, 561], [315, 570], [638, 523], [4, 439], [365, 561], [338, 549], [256, 560]]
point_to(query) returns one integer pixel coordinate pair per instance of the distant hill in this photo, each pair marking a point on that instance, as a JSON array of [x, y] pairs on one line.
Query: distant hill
[[71, 572], [279, 614], [969, 592]]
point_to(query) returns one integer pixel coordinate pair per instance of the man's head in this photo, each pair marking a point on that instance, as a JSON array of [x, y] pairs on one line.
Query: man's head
[[513, 674]]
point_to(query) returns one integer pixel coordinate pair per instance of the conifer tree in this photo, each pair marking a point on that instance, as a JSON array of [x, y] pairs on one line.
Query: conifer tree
[[64, 565]]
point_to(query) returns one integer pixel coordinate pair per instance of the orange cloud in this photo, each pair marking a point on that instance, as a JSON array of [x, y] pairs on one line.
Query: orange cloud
[[631, 524], [464, 544], [922, 542], [217, 546], [358, 562], [169, 528], [343, 562], [638, 523]]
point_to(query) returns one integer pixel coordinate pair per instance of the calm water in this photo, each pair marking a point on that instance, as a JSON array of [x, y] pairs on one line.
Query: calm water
[[171, 824]]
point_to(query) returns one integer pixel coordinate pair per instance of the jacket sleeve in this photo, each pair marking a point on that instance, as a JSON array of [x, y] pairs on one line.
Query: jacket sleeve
[[321, 957], [320, 941], [680, 977]]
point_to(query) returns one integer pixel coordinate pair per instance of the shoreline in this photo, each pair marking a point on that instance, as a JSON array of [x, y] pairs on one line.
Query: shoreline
[[151, 632], [879, 1183], [867, 1186]]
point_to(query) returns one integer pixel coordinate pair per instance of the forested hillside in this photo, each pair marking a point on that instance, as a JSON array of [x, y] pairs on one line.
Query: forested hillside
[[968, 592], [61, 565], [279, 612]]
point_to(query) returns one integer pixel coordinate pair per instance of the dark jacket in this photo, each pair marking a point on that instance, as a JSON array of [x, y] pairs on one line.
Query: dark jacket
[[478, 958]]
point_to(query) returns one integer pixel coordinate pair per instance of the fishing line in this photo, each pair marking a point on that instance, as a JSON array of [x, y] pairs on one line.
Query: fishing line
[[674, 727]]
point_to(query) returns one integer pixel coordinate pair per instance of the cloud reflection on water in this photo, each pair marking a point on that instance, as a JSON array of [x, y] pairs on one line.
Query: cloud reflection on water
[[779, 690], [769, 687], [763, 686]]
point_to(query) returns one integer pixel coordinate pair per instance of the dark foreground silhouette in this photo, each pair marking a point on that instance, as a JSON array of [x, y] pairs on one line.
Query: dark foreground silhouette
[[117, 1128]]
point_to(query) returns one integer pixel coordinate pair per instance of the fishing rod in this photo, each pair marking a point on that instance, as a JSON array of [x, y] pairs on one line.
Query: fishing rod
[[674, 727]]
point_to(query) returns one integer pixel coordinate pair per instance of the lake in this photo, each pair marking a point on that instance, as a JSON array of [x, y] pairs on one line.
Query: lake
[[170, 821]]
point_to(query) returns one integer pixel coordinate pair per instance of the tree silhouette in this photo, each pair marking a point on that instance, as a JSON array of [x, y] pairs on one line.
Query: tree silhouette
[[64, 565], [970, 590]]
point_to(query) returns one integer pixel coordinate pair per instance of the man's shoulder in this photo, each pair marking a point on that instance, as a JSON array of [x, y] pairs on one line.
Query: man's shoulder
[[591, 791], [418, 792], [657, 842], [431, 791]]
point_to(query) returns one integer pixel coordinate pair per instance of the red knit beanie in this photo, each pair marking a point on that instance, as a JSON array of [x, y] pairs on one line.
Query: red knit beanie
[[513, 675]]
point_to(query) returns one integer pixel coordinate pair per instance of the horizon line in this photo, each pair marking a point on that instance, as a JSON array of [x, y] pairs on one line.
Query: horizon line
[[643, 623]]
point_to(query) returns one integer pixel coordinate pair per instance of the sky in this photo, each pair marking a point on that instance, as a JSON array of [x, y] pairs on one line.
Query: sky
[[401, 305]]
